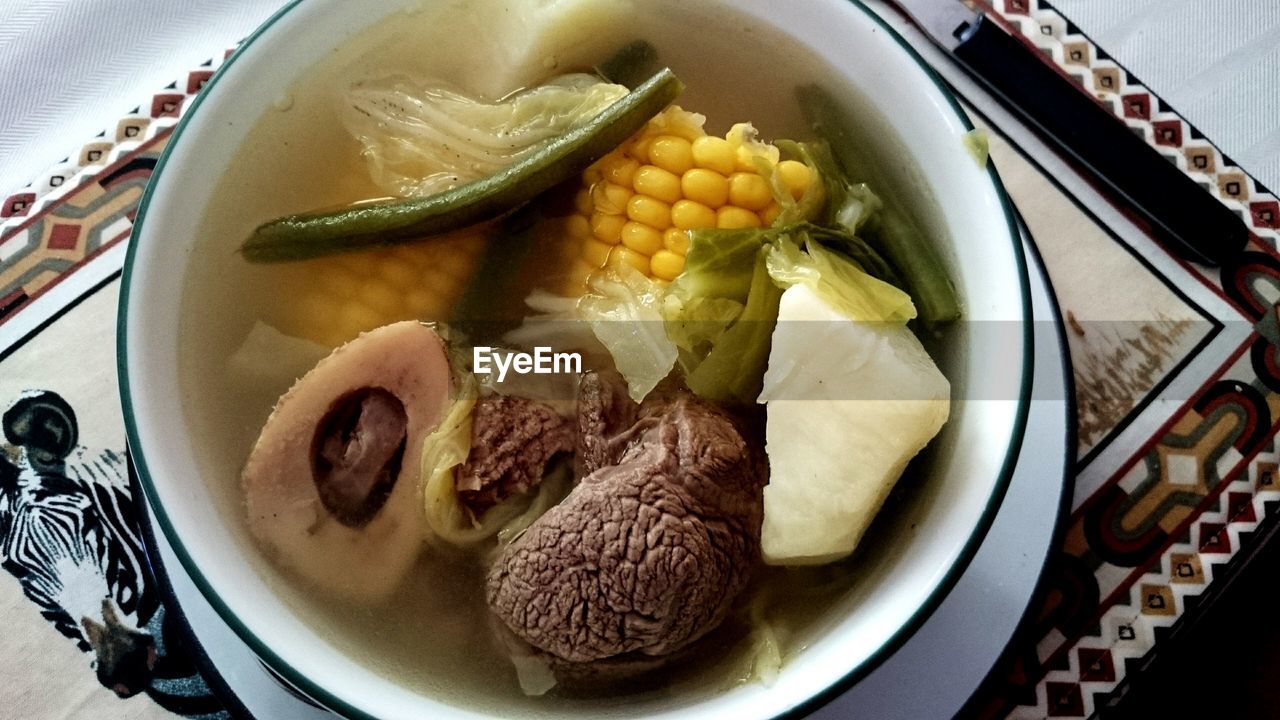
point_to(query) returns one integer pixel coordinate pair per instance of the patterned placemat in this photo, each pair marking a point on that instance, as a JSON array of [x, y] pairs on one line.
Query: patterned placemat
[[1157, 515], [1177, 378], [69, 537]]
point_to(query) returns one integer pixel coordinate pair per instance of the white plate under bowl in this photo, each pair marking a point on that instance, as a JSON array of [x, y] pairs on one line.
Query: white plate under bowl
[[931, 676]]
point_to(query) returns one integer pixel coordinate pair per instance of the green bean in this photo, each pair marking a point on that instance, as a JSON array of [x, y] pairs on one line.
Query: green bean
[[889, 230], [493, 300], [390, 222], [901, 240]]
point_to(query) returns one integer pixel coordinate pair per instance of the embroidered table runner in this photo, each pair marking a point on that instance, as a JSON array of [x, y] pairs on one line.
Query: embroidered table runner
[[1177, 386]]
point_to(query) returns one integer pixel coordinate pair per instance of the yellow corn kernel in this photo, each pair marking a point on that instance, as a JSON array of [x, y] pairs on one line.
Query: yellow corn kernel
[[596, 253], [338, 282], [607, 228], [575, 279], [713, 153], [655, 182], [355, 318], [417, 300], [769, 214], [744, 160], [609, 198], [666, 264], [362, 264], [676, 240], [401, 275], [410, 253], [795, 176], [731, 217], [671, 153], [646, 197], [706, 186], [640, 150], [641, 238], [582, 201], [578, 227], [622, 256], [450, 260], [313, 317], [620, 169], [580, 270], [749, 190], [650, 211], [437, 278], [687, 214], [686, 130]]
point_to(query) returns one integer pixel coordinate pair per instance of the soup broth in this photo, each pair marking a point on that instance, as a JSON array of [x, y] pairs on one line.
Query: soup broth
[[433, 634]]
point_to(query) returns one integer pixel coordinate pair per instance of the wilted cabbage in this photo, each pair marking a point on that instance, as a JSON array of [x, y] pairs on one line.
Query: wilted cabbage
[[839, 282], [554, 321], [444, 452], [624, 309], [421, 138]]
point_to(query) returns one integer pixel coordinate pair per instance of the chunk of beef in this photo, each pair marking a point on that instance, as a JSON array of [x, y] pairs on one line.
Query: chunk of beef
[[512, 440], [646, 555], [604, 410]]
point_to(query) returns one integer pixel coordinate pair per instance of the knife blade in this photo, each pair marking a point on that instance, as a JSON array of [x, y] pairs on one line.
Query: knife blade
[[1176, 210]]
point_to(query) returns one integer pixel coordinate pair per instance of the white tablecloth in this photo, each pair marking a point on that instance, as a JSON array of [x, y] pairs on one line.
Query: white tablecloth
[[69, 67], [1217, 62]]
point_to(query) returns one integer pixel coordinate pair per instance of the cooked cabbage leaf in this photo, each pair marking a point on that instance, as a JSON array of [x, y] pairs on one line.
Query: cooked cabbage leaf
[[443, 452], [765, 650], [859, 251], [694, 323], [625, 311], [709, 298], [719, 264], [420, 138], [554, 321], [720, 312], [551, 490], [734, 367], [533, 668], [534, 673], [838, 281]]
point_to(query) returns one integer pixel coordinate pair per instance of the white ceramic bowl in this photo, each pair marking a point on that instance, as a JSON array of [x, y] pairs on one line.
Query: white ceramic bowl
[[919, 552]]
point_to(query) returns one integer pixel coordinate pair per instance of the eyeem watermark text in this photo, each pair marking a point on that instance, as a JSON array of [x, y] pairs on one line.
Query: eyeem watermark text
[[542, 361]]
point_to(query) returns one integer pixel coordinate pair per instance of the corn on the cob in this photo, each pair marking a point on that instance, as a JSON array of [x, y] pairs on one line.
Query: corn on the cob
[[638, 202], [635, 206], [340, 296]]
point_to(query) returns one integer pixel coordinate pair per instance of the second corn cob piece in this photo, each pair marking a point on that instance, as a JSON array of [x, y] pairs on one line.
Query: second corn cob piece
[[637, 203]]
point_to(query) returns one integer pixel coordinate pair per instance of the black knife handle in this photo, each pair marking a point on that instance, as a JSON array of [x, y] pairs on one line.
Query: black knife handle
[[1178, 212]]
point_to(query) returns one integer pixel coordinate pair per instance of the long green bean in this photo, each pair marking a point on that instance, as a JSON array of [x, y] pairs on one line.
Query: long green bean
[[390, 222], [889, 230]]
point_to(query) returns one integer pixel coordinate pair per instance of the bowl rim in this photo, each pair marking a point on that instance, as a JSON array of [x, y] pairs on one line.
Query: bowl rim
[[331, 701]]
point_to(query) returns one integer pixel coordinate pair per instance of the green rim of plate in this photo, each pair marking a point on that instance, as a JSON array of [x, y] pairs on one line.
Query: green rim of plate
[[336, 704]]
